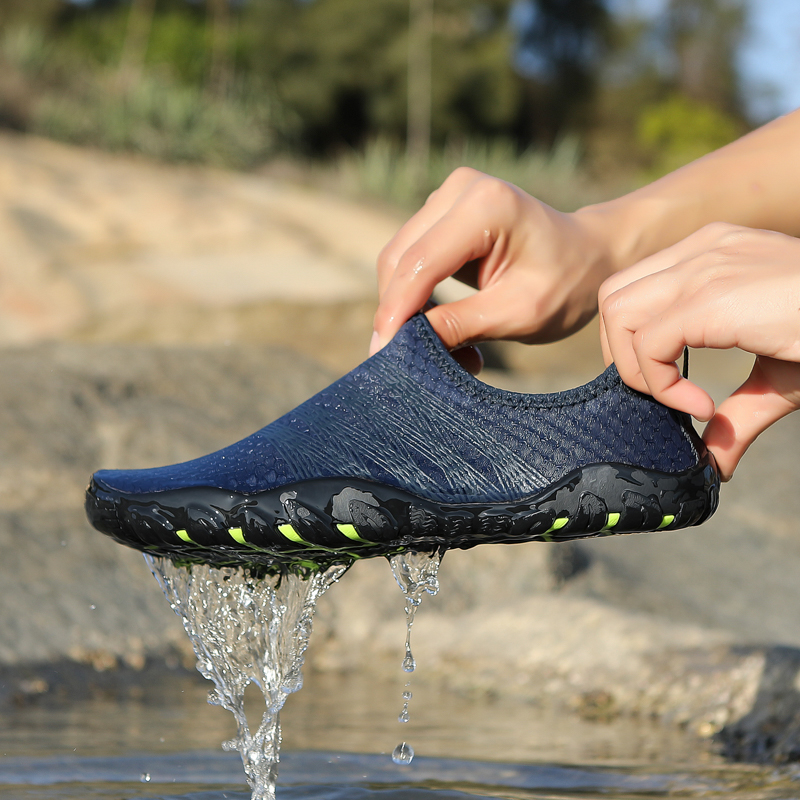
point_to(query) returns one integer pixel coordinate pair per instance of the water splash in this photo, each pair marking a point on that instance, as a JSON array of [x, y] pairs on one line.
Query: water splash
[[416, 574], [246, 630]]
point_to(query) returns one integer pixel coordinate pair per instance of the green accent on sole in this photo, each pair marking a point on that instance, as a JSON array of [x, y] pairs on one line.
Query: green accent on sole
[[351, 533], [611, 522], [558, 524], [185, 537], [292, 535], [237, 536], [668, 520]]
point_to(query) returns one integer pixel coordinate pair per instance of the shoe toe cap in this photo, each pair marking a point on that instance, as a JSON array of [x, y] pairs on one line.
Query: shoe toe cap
[[139, 481]]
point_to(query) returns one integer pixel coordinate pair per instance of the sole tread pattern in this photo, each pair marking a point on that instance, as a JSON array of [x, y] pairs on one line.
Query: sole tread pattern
[[319, 523]]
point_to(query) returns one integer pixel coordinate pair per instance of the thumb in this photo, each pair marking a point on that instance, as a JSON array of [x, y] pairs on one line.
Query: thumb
[[746, 414], [481, 316]]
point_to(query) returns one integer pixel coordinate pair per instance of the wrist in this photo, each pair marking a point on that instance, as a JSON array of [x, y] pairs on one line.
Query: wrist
[[610, 225], [636, 225]]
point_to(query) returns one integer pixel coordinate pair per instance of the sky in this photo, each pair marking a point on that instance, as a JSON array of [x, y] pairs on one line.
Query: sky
[[770, 58]]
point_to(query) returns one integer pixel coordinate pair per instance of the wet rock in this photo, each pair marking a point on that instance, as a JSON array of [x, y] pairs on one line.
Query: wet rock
[[770, 730]]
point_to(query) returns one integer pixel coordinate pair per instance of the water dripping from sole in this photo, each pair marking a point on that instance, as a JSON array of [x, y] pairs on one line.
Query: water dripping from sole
[[244, 630], [416, 574]]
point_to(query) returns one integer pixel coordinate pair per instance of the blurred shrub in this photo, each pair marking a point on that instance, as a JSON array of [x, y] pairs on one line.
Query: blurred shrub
[[23, 57], [181, 41], [679, 130], [159, 118], [382, 170], [24, 48], [155, 114]]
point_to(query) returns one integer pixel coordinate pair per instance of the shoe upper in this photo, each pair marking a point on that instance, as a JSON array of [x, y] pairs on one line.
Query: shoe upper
[[410, 417]]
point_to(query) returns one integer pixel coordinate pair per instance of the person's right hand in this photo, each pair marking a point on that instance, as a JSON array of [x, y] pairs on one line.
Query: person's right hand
[[537, 270]]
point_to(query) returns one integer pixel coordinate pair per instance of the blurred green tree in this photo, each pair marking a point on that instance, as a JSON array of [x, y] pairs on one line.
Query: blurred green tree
[[677, 69], [561, 47], [341, 67], [679, 130], [334, 75], [347, 71]]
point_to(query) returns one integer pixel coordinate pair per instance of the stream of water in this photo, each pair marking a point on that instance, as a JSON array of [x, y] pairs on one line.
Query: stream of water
[[245, 630], [416, 574]]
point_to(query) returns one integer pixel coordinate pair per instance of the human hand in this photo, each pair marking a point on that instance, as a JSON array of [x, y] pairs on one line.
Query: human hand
[[724, 286], [537, 270]]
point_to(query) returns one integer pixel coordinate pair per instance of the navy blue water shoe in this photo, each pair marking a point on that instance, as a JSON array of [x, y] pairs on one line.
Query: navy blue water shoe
[[409, 451]]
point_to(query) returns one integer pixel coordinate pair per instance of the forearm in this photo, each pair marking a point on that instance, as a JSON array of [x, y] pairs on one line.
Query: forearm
[[754, 181]]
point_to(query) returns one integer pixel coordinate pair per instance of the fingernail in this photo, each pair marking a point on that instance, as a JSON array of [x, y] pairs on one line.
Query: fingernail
[[374, 343]]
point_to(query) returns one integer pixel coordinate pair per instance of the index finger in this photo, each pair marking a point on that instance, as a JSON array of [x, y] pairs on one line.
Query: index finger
[[436, 206], [460, 236]]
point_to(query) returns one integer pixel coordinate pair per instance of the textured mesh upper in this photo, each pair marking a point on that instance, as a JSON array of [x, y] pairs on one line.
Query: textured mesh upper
[[411, 418]]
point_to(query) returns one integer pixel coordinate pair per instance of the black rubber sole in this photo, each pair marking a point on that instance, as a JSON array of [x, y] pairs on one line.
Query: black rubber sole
[[314, 524]]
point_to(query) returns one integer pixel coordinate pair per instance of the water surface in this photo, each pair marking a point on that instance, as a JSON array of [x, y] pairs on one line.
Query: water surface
[[105, 749], [309, 775]]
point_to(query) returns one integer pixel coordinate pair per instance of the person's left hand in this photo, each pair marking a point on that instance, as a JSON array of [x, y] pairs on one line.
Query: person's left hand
[[722, 287]]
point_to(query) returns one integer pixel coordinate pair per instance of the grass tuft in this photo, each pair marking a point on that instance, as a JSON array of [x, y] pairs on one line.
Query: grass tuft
[[158, 118], [382, 170]]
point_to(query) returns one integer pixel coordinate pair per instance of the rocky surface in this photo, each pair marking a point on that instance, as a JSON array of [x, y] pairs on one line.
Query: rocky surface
[[146, 317], [67, 408]]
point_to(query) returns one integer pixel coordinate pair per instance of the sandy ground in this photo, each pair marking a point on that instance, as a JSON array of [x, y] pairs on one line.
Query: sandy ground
[[110, 248]]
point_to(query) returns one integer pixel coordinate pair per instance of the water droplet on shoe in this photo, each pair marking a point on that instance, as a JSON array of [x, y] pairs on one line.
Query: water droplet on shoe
[[403, 754]]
